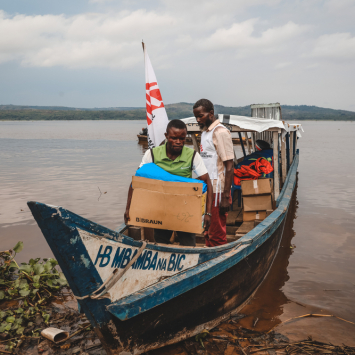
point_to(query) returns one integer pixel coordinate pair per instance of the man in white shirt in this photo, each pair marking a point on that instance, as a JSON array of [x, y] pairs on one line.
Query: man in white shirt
[[217, 154]]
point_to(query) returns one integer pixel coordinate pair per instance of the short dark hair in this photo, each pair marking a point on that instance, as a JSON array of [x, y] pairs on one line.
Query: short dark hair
[[176, 124], [206, 104]]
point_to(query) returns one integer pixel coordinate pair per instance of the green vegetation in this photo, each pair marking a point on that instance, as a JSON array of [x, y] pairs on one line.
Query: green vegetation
[[179, 110], [29, 289]]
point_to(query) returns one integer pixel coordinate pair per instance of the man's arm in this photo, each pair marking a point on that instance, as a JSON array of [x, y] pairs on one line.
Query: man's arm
[[224, 205], [129, 199], [222, 140], [207, 180]]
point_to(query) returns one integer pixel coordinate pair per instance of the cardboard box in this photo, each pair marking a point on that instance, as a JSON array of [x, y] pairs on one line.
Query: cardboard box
[[255, 215], [256, 187], [257, 203], [176, 206]]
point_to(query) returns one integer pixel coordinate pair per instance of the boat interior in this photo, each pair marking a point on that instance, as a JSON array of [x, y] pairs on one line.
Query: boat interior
[[282, 148]]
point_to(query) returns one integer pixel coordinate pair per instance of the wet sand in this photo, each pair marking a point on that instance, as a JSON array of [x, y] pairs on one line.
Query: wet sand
[[314, 269]]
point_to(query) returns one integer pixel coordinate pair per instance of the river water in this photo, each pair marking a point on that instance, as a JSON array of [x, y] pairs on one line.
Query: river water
[[86, 167]]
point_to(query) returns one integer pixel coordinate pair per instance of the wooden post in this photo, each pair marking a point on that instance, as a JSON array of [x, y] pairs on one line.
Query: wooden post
[[283, 160], [241, 143], [287, 137], [291, 148], [253, 141], [294, 143], [235, 157], [194, 141], [247, 140], [275, 141]]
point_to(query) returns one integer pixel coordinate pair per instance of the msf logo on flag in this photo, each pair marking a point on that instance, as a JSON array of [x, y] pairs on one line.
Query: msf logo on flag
[[154, 100], [157, 119]]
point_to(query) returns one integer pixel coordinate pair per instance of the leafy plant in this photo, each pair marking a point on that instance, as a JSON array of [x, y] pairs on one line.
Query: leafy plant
[[33, 285]]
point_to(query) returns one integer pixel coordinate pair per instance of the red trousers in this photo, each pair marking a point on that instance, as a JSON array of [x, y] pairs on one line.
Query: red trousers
[[217, 233]]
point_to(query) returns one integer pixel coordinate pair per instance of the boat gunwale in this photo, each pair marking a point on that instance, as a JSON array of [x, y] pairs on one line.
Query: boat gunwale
[[116, 236]]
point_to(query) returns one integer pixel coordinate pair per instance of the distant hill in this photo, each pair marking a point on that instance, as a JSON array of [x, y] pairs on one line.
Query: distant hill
[[178, 110]]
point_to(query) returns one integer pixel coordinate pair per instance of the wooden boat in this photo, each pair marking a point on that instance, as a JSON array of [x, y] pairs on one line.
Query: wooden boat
[[140, 296]]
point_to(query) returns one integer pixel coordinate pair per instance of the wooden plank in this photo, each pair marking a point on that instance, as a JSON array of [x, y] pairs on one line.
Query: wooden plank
[[232, 216], [231, 230], [194, 142], [245, 227], [239, 219], [235, 157], [276, 165], [291, 147], [283, 160]]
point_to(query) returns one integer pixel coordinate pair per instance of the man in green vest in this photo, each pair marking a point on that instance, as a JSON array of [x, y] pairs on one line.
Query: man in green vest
[[176, 159]]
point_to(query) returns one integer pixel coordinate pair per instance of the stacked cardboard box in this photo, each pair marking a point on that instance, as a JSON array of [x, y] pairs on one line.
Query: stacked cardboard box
[[257, 199]]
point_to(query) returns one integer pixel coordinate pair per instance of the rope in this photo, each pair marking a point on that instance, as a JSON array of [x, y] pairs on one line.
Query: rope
[[113, 278]]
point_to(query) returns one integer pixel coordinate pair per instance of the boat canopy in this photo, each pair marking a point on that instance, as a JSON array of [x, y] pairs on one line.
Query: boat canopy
[[247, 124]]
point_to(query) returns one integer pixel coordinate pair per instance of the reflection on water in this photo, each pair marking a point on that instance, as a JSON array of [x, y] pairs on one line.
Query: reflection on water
[[267, 304], [65, 163]]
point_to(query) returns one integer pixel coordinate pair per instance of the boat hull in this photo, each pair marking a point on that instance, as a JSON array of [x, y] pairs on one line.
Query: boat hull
[[202, 307], [178, 306]]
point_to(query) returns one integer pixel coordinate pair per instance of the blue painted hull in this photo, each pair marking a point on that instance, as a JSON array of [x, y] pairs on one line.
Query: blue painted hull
[[203, 286]]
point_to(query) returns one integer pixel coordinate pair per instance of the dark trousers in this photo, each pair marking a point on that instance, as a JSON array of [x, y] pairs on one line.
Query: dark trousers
[[184, 238]]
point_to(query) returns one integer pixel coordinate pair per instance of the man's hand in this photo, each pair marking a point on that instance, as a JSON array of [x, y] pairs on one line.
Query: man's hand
[[207, 222], [224, 205], [126, 217]]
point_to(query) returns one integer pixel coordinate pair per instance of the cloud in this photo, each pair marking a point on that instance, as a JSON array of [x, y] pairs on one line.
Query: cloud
[[85, 40], [283, 65], [340, 46], [241, 36]]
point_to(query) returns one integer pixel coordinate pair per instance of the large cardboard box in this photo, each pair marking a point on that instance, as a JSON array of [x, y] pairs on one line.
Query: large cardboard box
[[177, 206], [257, 203], [256, 187]]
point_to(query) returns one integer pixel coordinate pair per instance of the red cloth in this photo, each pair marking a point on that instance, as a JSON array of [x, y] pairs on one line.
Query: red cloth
[[217, 233], [252, 171]]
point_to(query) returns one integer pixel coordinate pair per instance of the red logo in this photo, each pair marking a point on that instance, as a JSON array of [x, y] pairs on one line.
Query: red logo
[[155, 93], [201, 149]]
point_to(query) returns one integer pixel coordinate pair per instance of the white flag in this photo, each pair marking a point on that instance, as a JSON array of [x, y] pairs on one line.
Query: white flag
[[157, 118]]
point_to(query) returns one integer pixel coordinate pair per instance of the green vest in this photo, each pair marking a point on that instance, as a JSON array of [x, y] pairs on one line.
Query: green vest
[[181, 166]]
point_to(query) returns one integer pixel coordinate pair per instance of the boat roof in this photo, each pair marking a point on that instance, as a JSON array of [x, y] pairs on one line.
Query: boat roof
[[246, 124]]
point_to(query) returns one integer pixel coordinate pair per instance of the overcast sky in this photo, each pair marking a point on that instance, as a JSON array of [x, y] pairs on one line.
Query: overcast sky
[[88, 53]]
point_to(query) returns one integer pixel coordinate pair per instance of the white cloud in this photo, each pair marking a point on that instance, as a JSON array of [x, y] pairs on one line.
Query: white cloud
[[241, 36], [335, 46], [283, 65], [86, 40]]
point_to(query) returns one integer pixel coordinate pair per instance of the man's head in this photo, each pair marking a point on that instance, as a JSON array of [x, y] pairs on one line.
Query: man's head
[[176, 132], [204, 113]]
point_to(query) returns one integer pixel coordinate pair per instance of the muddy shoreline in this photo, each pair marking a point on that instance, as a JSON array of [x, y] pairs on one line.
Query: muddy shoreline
[[229, 338]]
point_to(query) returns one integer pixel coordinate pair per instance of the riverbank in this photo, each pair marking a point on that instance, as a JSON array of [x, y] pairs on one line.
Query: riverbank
[[229, 338], [174, 111]]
